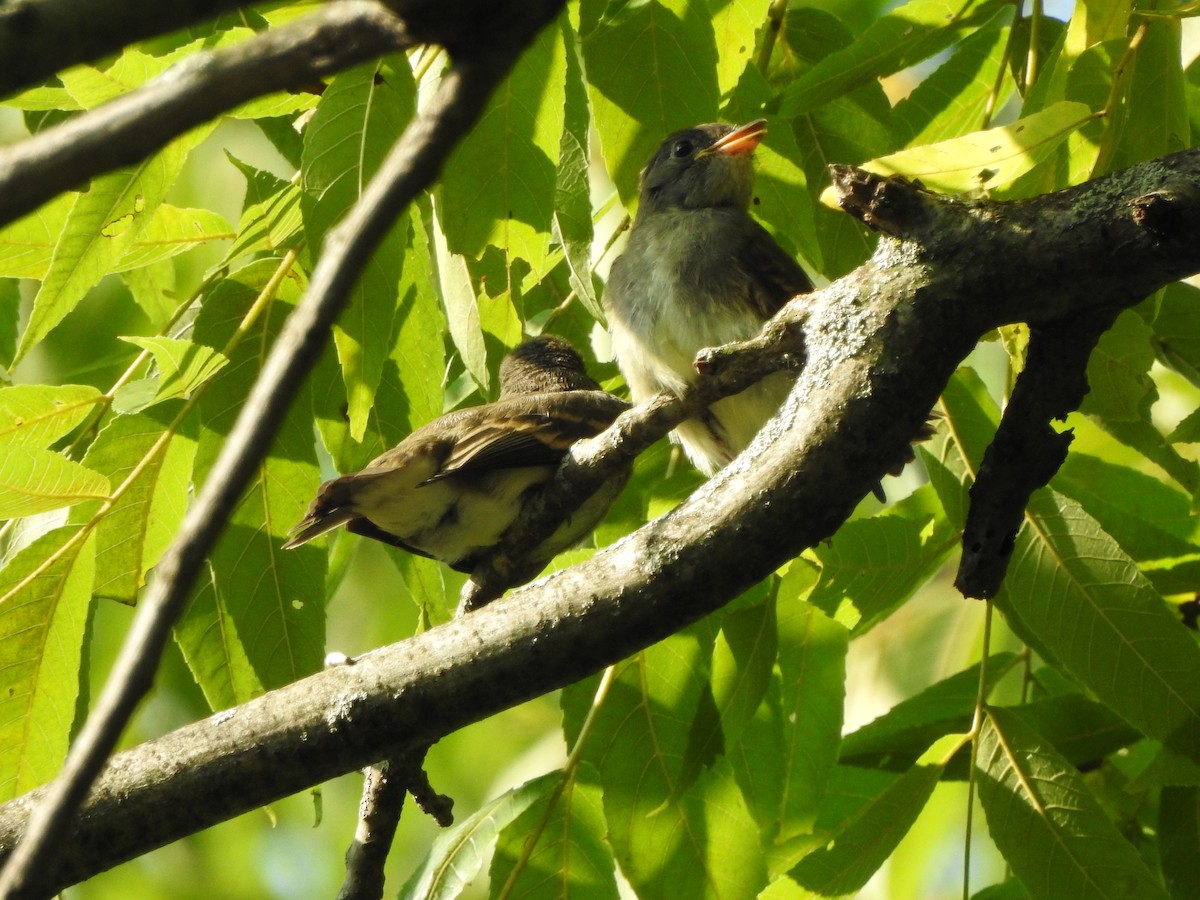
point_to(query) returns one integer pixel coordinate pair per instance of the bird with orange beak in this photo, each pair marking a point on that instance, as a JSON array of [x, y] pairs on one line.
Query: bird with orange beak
[[698, 271]]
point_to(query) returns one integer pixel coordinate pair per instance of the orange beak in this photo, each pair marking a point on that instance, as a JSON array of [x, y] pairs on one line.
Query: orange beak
[[742, 140]]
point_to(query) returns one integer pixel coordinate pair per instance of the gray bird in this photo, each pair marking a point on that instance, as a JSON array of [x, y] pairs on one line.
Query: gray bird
[[698, 271], [451, 488]]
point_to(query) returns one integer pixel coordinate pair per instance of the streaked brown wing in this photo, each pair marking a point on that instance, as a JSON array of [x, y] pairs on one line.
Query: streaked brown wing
[[533, 430]]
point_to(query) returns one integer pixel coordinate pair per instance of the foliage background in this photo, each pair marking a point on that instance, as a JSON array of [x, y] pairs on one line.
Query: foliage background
[[208, 244]]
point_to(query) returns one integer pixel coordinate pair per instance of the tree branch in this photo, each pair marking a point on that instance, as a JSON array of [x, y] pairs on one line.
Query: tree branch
[[879, 343], [410, 167], [135, 125], [39, 37]]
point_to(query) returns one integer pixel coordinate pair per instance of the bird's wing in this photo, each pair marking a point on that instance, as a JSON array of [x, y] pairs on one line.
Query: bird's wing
[[532, 430], [775, 277]]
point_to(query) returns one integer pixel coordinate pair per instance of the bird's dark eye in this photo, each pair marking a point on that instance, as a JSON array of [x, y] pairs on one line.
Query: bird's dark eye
[[682, 148]]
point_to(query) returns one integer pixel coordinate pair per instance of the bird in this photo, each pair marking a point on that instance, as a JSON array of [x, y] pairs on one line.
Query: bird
[[450, 489], [699, 271]]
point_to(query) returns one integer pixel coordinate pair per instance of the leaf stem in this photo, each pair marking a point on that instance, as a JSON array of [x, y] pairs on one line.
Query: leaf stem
[[976, 725]]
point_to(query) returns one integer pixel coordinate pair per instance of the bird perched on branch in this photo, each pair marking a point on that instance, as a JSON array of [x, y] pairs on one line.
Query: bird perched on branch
[[698, 271], [451, 488]]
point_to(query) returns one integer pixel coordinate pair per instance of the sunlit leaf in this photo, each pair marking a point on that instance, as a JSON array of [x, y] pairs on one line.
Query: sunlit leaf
[[356, 123], [182, 365], [672, 47], [904, 36], [983, 160], [38, 415], [44, 595], [132, 536], [34, 481]]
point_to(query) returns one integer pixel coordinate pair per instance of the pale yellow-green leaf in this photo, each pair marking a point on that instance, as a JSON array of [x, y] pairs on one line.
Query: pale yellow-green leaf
[[27, 245], [43, 612], [34, 481], [173, 230], [983, 160], [38, 415], [182, 365]]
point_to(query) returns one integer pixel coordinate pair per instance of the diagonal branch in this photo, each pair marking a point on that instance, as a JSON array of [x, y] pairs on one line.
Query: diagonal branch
[[410, 167], [136, 124]]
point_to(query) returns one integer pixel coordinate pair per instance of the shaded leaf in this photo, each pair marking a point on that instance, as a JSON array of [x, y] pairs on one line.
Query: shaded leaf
[[570, 857], [458, 853], [1047, 824], [902, 37], [1071, 589]]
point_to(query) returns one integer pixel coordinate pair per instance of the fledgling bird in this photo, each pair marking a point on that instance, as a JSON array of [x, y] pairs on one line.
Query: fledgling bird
[[698, 271], [451, 488]]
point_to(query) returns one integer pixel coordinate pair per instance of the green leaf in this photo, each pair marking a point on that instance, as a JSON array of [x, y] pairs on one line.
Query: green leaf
[[1149, 518], [10, 312], [38, 415], [902, 37], [1047, 824], [243, 628], [1179, 840], [462, 312], [990, 159], [1072, 590], [569, 858], [182, 365], [43, 610], [172, 231], [638, 744], [849, 129], [897, 739], [101, 227], [410, 392], [672, 47], [743, 658], [1081, 730], [952, 456], [572, 189], [271, 218], [812, 663], [132, 536], [356, 123], [860, 844], [498, 187], [35, 481], [873, 565], [1122, 395], [735, 27], [1154, 116], [27, 245], [457, 854], [1174, 317], [951, 101]]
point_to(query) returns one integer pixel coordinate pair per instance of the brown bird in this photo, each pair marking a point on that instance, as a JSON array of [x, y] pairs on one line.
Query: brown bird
[[451, 488], [698, 271]]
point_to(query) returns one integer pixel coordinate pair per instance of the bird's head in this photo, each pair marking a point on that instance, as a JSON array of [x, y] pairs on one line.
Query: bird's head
[[705, 166], [541, 365]]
